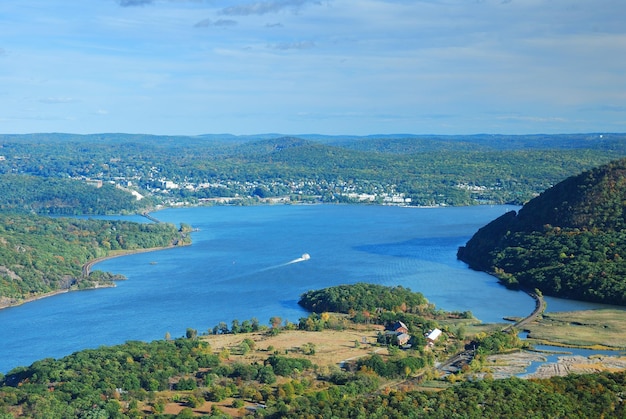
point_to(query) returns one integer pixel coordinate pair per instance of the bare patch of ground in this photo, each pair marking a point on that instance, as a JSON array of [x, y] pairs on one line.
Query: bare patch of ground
[[512, 364]]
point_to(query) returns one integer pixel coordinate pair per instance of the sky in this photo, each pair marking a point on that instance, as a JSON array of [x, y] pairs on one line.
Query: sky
[[335, 67]]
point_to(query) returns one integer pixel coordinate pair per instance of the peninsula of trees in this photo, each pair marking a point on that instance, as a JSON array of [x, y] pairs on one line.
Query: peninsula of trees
[[569, 242], [40, 255]]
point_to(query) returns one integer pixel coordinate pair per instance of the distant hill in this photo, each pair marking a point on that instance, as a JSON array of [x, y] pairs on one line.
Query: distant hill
[[423, 170], [569, 242]]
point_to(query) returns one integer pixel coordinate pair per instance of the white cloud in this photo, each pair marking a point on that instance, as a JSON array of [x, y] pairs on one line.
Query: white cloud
[[131, 3], [293, 45], [265, 7], [205, 23]]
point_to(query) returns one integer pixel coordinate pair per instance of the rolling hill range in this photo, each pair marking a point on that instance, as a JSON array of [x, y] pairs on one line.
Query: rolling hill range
[[419, 170]]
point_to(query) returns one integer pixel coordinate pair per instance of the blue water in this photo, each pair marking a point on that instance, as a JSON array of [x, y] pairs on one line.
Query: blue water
[[238, 268]]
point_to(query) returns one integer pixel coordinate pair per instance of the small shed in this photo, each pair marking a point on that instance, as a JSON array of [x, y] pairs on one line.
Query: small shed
[[433, 336]]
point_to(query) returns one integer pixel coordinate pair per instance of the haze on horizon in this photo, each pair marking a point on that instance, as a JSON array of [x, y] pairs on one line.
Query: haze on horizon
[[305, 66]]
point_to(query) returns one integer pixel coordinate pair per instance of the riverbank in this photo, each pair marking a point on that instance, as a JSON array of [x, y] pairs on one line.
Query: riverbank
[[7, 302], [594, 330]]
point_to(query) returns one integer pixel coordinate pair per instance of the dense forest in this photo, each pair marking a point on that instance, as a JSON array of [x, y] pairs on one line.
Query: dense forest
[[362, 296], [577, 396], [63, 196], [413, 170], [570, 241], [42, 254]]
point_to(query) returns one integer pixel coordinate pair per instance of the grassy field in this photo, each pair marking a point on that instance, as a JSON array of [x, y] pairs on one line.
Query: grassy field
[[589, 328], [330, 346]]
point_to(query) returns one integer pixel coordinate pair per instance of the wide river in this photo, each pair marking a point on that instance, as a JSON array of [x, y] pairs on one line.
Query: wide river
[[245, 262]]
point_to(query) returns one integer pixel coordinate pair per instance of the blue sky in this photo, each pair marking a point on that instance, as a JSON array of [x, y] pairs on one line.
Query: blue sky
[[299, 66]]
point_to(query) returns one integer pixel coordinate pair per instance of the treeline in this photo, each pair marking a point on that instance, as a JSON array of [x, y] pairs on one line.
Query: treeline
[[123, 381], [41, 254], [568, 242], [574, 396]]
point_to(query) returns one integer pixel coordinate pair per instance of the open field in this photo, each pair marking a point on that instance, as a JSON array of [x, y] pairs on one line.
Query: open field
[[592, 328], [589, 328], [331, 346]]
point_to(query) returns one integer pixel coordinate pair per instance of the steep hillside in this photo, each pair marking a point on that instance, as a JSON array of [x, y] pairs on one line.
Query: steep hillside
[[570, 241]]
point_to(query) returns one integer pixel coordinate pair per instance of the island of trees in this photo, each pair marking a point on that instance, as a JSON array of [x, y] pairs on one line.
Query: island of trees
[[569, 242]]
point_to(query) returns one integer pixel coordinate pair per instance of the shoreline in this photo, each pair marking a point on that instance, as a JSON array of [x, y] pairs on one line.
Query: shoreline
[[86, 270]]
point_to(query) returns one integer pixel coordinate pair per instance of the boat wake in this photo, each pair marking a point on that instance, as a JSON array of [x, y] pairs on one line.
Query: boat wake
[[302, 258]]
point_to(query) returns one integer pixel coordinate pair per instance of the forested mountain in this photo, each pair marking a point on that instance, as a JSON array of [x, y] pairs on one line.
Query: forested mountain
[[570, 241], [404, 144]]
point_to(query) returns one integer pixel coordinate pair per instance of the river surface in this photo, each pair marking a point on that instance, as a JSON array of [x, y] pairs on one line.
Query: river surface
[[246, 262]]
